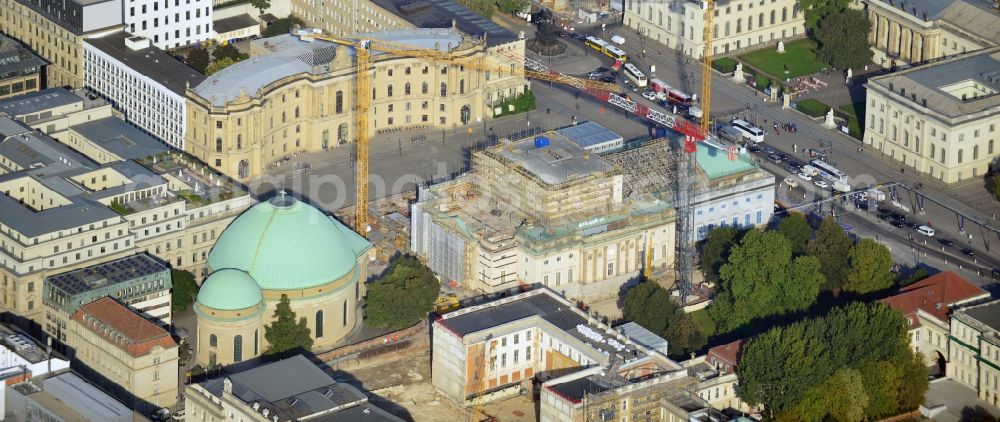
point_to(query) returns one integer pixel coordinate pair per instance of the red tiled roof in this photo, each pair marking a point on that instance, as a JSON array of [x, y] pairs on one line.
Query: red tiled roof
[[140, 334], [935, 295], [726, 356]]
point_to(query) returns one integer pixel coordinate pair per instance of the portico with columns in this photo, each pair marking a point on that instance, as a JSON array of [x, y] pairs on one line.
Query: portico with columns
[[902, 38]]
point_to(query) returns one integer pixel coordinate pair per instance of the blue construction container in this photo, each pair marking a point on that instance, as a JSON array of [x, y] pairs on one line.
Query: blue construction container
[[541, 142], [660, 132]]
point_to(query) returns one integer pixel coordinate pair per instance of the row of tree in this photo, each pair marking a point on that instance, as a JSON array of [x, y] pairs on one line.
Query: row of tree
[[766, 274], [650, 305], [841, 33], [222, 57], [487, 7], [852, 364]]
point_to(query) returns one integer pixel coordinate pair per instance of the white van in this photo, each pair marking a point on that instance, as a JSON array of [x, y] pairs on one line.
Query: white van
[[926, 231], [810, 170], [618, 39], [749, 131]]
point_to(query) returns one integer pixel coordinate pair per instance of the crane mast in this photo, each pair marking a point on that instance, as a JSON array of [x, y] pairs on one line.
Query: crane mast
[[363, 100], [706, 66]]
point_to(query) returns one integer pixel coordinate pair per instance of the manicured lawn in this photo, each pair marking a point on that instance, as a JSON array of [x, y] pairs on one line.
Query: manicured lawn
[[812, 107], [855, 114], [705, 322], [724, 65], [799, 55]]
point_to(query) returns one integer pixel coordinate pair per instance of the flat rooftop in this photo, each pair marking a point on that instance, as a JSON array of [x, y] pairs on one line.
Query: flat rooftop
[[588, 134], [15, 57], [716, 163], [151, 62], [35, 102], [109, 273], [976, 76], [441, 14], [72, 398], [551, 158], [234, 23], [988, 314], [541, 303], [120, 138]]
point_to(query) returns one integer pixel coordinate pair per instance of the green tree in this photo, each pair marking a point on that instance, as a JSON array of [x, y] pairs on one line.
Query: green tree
[[684, 335], [261, 5], [512, 6], [197, 58], [229, 51], [546, 34], [913, 384], [817, 10], [760, 279], [281, 26], [831, 246], [219, 65], [481, 7], [403, 295], [796, 229], [649, 305], [715, 249], [871, 263], [882, 382], [996, 186], [284, 335], [843, 39], [185, 290]]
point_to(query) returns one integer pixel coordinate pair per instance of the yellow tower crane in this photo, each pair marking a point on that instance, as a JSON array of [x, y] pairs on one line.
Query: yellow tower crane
[[364, 49], [706, 65]]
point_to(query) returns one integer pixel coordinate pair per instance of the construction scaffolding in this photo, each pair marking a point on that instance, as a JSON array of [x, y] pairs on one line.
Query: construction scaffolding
[[648, 169], [643, 397]]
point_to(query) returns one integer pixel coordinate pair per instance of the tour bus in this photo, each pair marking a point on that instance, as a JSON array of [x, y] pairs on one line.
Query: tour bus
[[750, 131], [635, 75], [829, 172], [678, 97]]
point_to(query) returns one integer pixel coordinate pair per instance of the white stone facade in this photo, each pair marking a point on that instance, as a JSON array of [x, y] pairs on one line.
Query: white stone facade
[[169, 23]]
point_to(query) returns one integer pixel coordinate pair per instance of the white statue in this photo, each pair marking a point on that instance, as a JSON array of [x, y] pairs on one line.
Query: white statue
[[849, 75], [781, 46], [829, 123], [738, 73]]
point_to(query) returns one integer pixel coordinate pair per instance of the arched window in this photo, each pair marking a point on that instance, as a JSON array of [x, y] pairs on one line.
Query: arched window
[[660, 17], [959, 156], [975, 152], [649, 11], [284, 118], [256, 341], [444, 89], [340, 102], [213, 340], [727, 29], [932, 150], [739, 25], [989, 147], [461, 86], [715, 31], [750, 23], [244, 169], [406, 89], [218, 144], [238, 349], [296, 112], [423, 88], [388, 91], [239, 141], [772, 17], [784, 14], [319, 323], [345, 312], [760, 20]]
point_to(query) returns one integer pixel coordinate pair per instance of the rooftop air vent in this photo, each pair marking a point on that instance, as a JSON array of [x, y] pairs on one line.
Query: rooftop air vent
[[137, 43]]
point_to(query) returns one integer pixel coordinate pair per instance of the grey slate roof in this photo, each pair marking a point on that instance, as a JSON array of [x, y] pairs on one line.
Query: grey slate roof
[[120, 138], [925, 82], [441, 13], [151, 62], [111, 272], [294, 388], [988, 314], [233, 23], [38, 101]]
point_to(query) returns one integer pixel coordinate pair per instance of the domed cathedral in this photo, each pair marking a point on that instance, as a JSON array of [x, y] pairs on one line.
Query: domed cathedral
[[279, 247]]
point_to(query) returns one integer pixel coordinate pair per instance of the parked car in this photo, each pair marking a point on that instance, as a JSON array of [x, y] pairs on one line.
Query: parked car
[[805, 177], [791, 182], [774, 157], [969, 252], [926, 231], [649, 95], [995, 273], [602, 69], [946, 242], [178, 416], [594, 75], [791, 168], [607, 79], [914, 226], [821, 184], [897, 224]]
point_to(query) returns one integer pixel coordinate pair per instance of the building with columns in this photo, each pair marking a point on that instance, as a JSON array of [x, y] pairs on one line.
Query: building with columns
[[914, 31], [974, 343], [738, 24], [939, 119]]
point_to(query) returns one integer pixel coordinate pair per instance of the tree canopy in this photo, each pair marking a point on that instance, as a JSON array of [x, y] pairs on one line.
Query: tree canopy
[[715, 250], [853, 363], [817, 10], [261, 5], [281, 26], [229, 51], [650, 305], [185, 290], [761, 279], [219, 65], [871, 265], [831, 246], [797, 230], [481, 7], [403, 295], [285, 334], [843, 39], [546, 34], [197, 58], [512, 6]]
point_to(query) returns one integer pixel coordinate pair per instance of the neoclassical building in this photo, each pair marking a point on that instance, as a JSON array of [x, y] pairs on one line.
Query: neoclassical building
[[737, 25], [913, 31], [297, 95], [279, 247]]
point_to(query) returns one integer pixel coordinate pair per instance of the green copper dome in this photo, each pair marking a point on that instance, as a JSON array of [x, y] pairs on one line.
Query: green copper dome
[[229, 290], [285, 244]]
